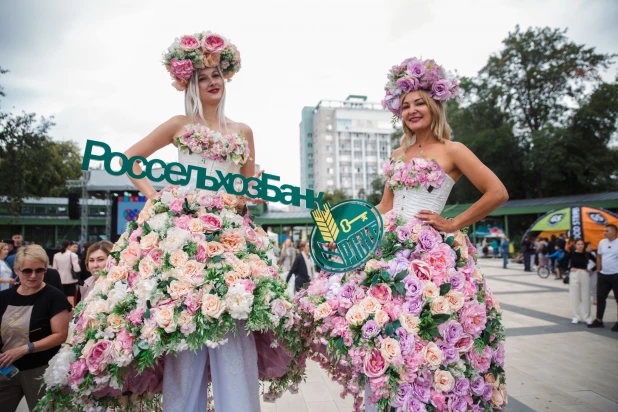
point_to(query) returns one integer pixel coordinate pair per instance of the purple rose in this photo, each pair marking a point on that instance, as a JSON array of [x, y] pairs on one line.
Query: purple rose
[[457, 404], [462, 387], [414, 287], [406, 342], [488, 392], [451, 331], [403, 233], [477, 408], [407, 84], [457, 280], [427, 239], [347, 291], [370, 329], [403, 253], [416, 69], [441, 90], [414, 405], [403, 394], [421, 391], [478, 386], [450, 353], [413, 307], [498, 355], [397, 265]]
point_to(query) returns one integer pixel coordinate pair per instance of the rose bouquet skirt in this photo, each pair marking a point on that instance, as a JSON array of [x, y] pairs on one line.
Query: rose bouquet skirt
[[417, 329], [186, 273]]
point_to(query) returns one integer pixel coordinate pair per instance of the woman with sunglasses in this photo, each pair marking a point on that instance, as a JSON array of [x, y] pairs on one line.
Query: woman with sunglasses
[[34, 322]]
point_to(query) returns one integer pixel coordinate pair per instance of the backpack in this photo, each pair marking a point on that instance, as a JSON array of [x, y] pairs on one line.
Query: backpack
[[545, 250]]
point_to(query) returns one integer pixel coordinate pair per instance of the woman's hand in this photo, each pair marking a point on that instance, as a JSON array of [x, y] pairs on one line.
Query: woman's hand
[[438, 222], [7, 358], [257, 200]]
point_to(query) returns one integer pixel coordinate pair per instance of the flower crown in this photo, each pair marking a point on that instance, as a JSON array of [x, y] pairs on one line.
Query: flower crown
[[198, 51], [414, 74]]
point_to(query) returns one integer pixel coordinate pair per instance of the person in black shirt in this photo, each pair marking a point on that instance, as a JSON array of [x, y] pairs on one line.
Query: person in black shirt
[[527, 249], [561, 242], [34, 322], [579, 284], [551, 246]]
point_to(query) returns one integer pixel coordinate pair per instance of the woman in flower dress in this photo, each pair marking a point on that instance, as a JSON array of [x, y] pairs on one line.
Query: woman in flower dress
[[191, 291], [417, 328]]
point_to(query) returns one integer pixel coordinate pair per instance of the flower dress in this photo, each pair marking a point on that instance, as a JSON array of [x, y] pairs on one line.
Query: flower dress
[[191, 294], [417, 329]]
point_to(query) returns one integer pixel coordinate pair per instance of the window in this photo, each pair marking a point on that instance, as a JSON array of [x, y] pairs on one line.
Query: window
[[329, 127], [344, 123], [310, 145], [329, 137], [330, 182], [329, 160]]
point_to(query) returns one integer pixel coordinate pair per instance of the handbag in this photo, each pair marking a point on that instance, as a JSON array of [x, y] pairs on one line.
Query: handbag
[[74, 274]]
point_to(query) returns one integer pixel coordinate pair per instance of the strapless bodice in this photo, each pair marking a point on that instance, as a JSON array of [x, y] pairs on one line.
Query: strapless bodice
[[407, 202], [211, 166]]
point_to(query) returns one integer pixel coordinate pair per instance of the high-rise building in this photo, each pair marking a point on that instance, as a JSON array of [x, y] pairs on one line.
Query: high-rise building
[[343, 145]]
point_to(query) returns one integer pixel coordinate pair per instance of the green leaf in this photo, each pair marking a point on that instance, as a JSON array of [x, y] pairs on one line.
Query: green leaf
[[339, 343], [401, 276], [147, 314], [375, 280], [400, 288], [389, 329], [386, 276], [461, 264], [445, 288], [143, 345], [450, 240], [440, 318]]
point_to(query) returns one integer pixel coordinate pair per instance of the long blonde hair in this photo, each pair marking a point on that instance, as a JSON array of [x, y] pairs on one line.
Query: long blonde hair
[[439, 127]]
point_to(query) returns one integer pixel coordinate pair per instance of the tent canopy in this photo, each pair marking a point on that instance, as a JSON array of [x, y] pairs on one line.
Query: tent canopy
[[583, 222]]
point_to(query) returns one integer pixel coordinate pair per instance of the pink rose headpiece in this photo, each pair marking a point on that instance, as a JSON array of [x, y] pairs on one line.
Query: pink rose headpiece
[[414, 74], [198, 51]]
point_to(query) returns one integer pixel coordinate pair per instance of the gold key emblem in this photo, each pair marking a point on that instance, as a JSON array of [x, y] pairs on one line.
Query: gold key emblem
[[346, 225]]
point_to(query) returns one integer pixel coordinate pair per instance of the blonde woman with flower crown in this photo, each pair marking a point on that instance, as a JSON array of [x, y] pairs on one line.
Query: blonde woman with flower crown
[[417, 328], [191, 282]]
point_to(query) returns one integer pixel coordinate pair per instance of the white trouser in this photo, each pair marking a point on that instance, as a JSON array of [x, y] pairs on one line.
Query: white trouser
[[579, 290], [234, 372], [368, 393]]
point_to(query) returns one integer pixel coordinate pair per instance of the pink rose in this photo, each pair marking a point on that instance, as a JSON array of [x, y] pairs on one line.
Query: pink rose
[[421, 269], [130, 254], [213, 43], [176, 206], [182, 222], [189, 43], [202, 253], [193, 301], [181, 69], [135, 234], [77, 371], [249, 285], [374, 364], [125, 339], [381, 292], [393, 308], [97, 358], [136, 317], [211, 222], [251, 235], [473, 318]]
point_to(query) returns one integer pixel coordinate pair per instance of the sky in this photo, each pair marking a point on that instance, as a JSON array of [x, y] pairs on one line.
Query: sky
[[96, 66]]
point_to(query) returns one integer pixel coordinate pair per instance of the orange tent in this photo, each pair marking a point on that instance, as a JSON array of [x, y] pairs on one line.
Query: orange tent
[[583, 222]]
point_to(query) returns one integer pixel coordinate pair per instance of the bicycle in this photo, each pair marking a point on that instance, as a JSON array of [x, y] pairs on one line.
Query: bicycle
[[543, 272]]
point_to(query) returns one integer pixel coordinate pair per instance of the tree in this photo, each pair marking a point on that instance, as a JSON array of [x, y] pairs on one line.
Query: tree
[[36, 166], [538, 73], [335, 197], [377, 189]]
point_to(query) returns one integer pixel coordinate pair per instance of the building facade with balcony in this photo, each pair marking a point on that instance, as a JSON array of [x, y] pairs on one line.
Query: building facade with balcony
[[344, 144]]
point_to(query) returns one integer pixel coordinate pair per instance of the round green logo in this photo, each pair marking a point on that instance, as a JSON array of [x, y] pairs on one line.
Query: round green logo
[[345, 235]]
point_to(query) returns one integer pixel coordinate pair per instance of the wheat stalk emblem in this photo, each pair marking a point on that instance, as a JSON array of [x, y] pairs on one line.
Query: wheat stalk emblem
[[326, 223]]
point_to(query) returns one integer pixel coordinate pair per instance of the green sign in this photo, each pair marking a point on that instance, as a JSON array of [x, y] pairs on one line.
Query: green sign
[[177, 174], [345, 235]]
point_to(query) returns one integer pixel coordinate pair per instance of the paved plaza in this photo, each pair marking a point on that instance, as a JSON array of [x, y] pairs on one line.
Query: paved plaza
[[551, 364]]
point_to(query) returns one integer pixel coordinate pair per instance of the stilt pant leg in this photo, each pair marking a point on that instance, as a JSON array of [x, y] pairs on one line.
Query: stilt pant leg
[[185, 382], [368, 393], [235, 374]]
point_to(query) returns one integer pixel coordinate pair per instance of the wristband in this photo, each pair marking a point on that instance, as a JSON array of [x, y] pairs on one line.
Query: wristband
[[30, 347]]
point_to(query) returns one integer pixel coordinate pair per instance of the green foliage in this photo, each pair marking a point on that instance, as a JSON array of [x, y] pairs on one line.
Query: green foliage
[[335, 197], [540, 117], [377, 189], [38, 166]]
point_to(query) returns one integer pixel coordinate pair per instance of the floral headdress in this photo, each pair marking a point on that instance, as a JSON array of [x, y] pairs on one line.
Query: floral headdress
[[414, 74], [198, 51]]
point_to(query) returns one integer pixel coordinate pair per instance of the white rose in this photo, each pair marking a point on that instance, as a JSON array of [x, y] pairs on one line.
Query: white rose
[[430, 290], [433, 355], [167, 198], [165, 318], [175, 239], [158, 222], [440, 305], [238, 302], [443, 381]]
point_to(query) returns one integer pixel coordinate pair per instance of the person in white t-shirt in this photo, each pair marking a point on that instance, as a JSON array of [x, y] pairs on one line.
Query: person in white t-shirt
[[607, 267]]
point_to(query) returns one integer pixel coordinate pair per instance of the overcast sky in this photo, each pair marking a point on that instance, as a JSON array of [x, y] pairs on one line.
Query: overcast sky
[[96, 67]]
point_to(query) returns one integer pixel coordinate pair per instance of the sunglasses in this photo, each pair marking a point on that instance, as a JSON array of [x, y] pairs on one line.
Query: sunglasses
[[28, 272]]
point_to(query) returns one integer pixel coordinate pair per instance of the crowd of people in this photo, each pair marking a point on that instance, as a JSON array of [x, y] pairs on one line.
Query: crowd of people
[[36, 300], [591, 273]]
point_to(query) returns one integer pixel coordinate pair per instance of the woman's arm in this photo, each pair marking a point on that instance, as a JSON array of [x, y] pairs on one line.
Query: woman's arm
[[157, 139], [248, 169], [494, 192], [386, 204], [60, 329]]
